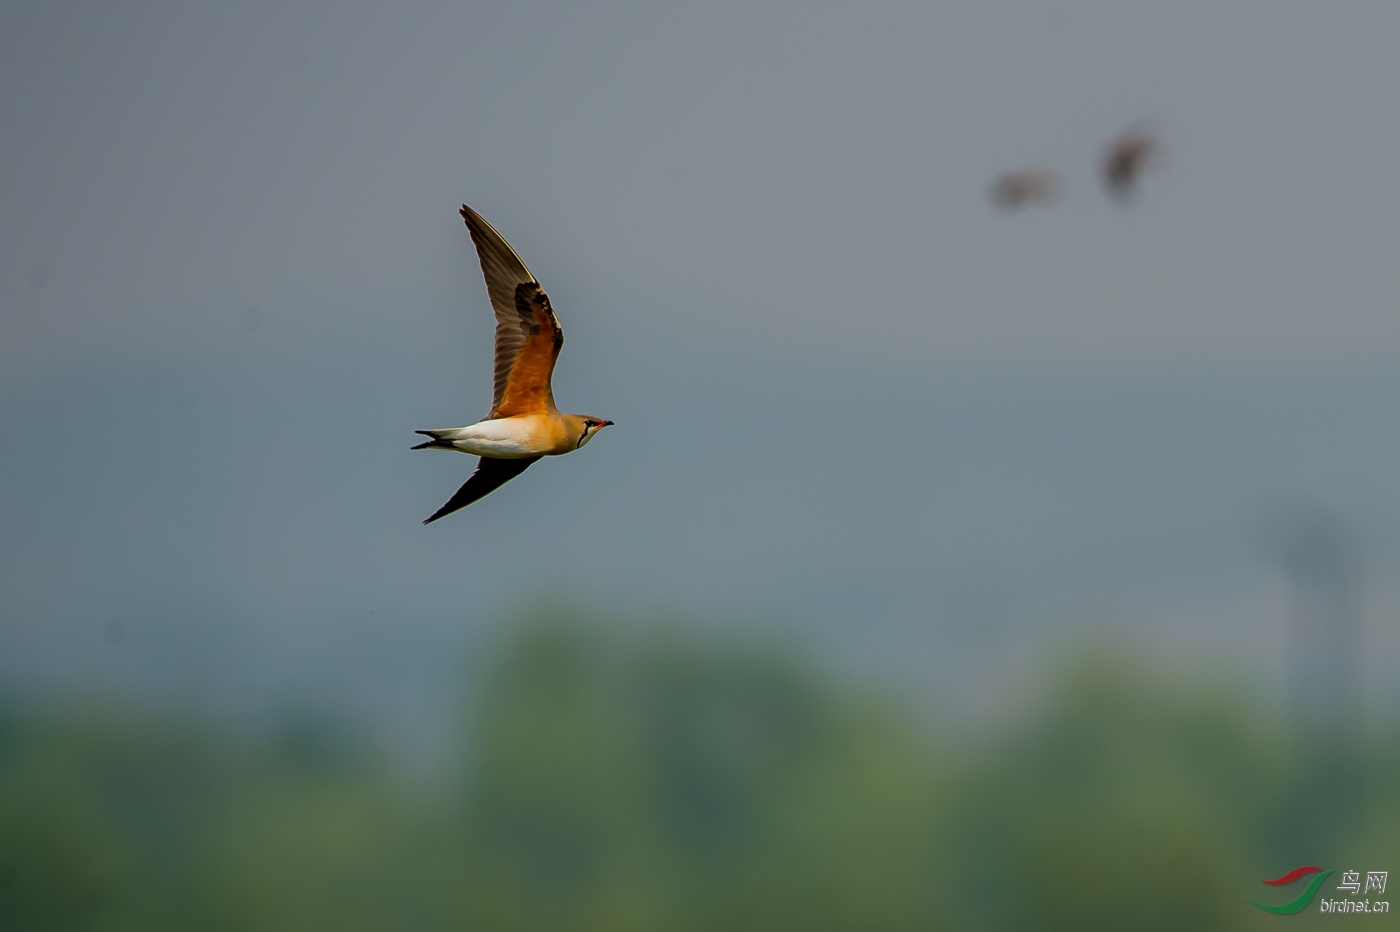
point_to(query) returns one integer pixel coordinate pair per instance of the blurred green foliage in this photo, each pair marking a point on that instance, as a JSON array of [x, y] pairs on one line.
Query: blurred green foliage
[[611, 781]]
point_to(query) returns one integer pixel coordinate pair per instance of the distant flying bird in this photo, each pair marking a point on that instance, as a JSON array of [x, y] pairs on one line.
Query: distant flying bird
[[1020, 189], [1127, 157], [523, 424]]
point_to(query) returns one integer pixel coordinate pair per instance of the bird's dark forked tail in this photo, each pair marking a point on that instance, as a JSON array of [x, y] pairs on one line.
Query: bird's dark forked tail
[[435, 441]]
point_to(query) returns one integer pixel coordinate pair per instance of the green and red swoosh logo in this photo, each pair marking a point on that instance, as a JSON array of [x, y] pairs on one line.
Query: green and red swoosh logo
[[1301, 902]]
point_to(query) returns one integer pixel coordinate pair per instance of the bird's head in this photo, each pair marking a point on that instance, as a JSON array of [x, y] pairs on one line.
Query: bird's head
[[585, 426]]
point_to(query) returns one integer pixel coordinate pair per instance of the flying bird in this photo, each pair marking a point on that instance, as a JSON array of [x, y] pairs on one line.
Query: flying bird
[[1021, 189], [1127, 157], [523, 424]]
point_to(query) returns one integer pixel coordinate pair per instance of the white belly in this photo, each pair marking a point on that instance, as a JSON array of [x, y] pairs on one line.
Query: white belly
[[503, 438]]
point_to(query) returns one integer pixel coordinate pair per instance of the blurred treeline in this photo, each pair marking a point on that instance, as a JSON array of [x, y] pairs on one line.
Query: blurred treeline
[[613, 779]]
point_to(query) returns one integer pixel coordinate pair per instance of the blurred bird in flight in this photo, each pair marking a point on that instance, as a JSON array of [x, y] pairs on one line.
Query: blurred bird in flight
[[1127, 157], [523, 424], [1021, 189]]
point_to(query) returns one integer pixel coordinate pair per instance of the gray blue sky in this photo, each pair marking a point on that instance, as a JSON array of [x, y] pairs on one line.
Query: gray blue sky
[[852, 398]]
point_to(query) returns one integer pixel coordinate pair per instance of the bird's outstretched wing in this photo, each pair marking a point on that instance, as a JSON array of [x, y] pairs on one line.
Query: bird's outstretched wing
[[490, 475], [528, 338]]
